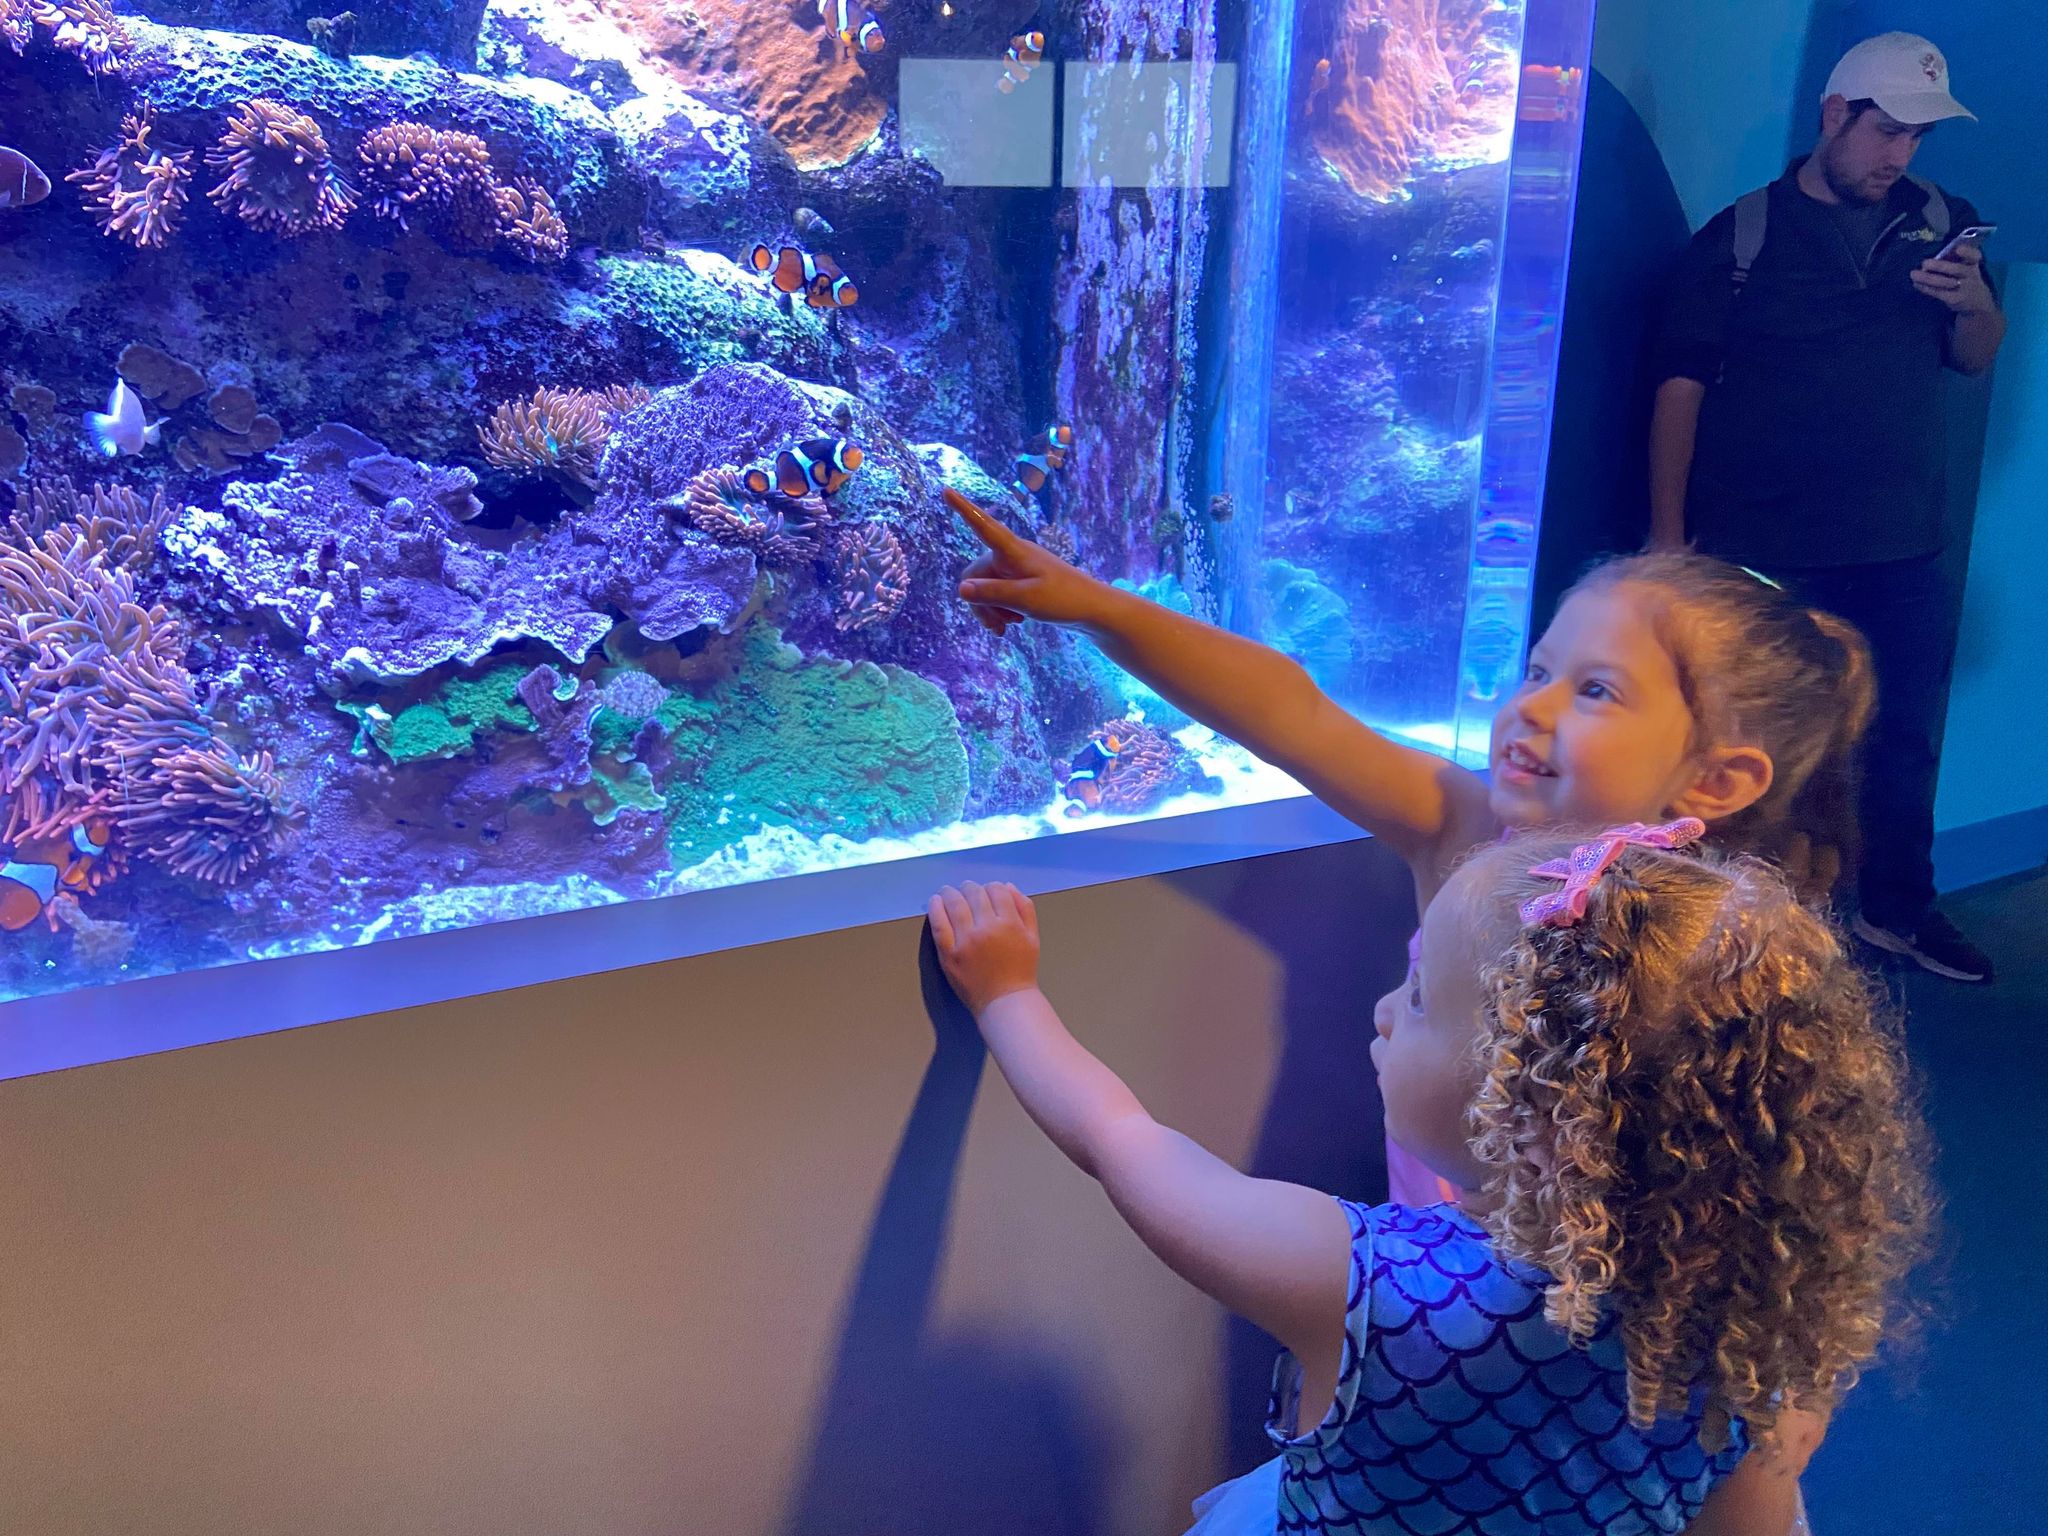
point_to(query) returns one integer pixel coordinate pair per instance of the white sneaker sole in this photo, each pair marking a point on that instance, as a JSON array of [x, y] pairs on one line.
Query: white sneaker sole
[[1893, 944]]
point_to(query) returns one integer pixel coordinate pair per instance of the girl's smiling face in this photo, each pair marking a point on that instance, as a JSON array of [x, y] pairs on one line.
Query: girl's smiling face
[[1600, 730], [1425, 1051]]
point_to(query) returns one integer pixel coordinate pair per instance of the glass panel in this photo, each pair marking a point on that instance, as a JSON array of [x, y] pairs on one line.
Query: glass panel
[[461, 472]]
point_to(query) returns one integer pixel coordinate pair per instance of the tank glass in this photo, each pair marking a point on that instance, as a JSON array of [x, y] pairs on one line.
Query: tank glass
[[468, 461]]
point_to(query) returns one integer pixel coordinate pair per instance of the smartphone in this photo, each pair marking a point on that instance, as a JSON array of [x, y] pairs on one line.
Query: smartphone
[[1977, 232]]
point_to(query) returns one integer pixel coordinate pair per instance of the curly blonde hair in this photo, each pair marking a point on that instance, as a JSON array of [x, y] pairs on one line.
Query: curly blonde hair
[[1696, 1118]]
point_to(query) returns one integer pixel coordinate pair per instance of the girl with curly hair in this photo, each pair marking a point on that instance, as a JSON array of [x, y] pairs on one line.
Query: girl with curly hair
[[1690, 1181], [1667, 685]]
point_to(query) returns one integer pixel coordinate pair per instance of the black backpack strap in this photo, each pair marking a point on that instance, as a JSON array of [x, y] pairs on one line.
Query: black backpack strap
[[1752, 217]]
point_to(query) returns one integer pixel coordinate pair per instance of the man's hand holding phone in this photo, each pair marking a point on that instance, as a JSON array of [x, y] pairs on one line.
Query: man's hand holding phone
[[1955, 275]]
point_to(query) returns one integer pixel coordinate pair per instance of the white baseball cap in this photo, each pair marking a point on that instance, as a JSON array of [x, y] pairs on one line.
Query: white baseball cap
[[1904, 74]]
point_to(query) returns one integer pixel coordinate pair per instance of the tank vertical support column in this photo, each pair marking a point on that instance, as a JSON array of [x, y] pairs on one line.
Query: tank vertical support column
[[1258, 180], [1535, 241]]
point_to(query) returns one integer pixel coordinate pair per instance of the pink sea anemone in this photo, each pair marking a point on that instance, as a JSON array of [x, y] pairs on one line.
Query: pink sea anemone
[[872, 574], [279, 176], [136, 189]]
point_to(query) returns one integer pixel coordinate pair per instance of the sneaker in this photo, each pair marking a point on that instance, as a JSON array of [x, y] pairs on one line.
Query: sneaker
[[1936, 945]]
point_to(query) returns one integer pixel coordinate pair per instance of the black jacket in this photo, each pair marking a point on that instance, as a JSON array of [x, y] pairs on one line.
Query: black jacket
[[1820, 439]]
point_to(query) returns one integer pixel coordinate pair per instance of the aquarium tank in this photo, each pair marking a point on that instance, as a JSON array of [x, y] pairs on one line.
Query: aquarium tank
[[464, 461]]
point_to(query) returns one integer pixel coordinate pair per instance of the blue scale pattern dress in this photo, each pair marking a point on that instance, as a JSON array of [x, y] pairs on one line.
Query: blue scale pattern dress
[[1461, 1412]]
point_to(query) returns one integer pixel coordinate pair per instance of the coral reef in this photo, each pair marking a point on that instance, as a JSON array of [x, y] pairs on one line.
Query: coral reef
[[857, 749], [781, 530], [1141, 766], [445, 724], [867, 562], [1415, 85], [87, 28], [279, 176], [558, 431], [444, 178], [781, 66], [100, 721], [136, 188]]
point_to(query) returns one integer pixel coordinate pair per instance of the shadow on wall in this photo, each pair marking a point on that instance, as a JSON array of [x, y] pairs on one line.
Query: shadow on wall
[[1628, 229], [1323, 1125], [965, 1432]]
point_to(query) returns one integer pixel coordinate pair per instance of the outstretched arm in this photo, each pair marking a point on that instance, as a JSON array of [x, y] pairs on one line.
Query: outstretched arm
[[1761, 1496], [1276, 1254], [1422, 805]]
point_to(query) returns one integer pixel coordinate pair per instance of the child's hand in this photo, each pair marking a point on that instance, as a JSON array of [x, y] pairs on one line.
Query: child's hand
[[1018, 580], [987, 938]]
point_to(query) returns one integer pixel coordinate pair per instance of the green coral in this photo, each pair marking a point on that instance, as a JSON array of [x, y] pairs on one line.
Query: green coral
[[703, 312], [821, 745], [445, 725], [609, 792]]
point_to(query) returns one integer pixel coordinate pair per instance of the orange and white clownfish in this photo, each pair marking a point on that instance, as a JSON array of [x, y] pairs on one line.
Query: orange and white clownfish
[[1041, 456], [816, 277], [43, 866], [1082, 784], [1318, 83], [821, 464], [1025, 50], [855, 24]]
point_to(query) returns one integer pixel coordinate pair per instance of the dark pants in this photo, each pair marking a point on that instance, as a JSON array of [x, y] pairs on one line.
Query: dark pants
[[1910, 610]]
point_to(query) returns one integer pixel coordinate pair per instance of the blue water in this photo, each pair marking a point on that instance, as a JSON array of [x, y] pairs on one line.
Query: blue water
[[527, 440]]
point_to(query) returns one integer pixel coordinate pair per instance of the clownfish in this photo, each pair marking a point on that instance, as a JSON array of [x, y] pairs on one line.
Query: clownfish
[[1025, 51], [1042, 455], [22, 181], [817, 278], [855, 24], [821, 464], [1082, 784], [43, 866], [1318, 83], [122, 428]]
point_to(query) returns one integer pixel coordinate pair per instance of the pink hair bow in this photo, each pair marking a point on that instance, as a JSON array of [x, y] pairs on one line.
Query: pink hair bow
[[1589, 861]]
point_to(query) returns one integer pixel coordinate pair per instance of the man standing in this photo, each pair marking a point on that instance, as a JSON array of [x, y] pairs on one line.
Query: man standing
[[1798, 430]]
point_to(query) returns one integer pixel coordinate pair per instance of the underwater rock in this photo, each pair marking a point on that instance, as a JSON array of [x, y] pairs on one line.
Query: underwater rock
[[1002, 690], [565, 41], [447, 29], [372, 590], [1415, 86], [193, 80], [820, 745], [778, 62], [714, 177]]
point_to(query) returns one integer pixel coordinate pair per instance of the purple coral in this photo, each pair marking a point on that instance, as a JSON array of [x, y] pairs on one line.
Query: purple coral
[[872, 574]]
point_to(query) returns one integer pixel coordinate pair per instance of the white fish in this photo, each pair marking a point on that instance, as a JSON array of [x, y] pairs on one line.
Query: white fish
[[122, 429]]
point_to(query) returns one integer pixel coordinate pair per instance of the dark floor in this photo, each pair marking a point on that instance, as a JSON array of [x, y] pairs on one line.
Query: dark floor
[[1954, 1436]]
